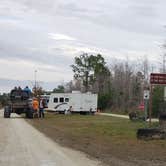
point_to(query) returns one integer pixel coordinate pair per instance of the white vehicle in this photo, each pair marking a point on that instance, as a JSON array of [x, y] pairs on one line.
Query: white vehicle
[[73, 102]]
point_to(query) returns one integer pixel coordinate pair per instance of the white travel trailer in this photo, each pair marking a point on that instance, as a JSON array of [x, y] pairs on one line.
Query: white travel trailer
[[74, 102]]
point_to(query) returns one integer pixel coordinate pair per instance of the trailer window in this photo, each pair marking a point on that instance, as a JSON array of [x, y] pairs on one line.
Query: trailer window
[[56, 100], [66, 99], [61, 99]]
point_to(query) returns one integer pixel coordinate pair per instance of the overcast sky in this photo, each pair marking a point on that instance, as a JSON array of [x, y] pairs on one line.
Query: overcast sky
[[46, 35]]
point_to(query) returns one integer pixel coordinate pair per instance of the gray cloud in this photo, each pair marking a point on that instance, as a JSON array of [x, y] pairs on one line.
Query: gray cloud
[[115, 28], [7, 84]]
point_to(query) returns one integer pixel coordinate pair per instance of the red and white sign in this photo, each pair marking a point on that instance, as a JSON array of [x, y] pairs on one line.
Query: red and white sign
[[141, 106], [146, 94]]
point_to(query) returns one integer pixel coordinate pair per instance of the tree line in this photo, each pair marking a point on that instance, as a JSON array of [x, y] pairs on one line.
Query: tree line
[[119, 85]]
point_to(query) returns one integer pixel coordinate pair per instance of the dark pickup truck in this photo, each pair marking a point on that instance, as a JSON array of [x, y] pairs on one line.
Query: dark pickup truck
[[20, 102]]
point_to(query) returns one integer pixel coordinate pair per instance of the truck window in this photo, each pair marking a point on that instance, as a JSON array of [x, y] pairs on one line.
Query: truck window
[[55, 100], [66, 99], [61, 99]]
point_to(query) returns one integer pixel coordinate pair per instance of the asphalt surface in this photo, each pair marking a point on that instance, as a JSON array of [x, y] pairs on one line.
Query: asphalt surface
[[124, 116], [115, 115], [23, 145]]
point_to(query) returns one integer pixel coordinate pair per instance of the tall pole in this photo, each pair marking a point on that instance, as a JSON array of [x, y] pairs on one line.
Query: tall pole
[[145, 108], [164, 61], [35, 82], [150, 104], [86, 81]]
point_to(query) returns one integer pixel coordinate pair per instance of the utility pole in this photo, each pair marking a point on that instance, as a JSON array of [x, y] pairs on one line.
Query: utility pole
[[164, 71], [164, 61], [86, 81], [35, 83]]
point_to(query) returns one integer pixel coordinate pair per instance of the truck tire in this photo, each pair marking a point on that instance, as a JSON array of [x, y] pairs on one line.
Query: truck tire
[[29, 114], [7, 112], [26, 114]]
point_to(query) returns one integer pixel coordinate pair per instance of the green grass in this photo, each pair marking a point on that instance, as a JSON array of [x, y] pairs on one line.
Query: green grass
[[100, 126], [102, 136]]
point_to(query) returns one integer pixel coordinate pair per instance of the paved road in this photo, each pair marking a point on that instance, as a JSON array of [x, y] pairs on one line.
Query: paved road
[[23, 145], [124, 116], [114, 115]]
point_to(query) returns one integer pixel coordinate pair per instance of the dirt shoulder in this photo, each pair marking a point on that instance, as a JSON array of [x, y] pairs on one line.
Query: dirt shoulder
[[111, 140], [23, 145]]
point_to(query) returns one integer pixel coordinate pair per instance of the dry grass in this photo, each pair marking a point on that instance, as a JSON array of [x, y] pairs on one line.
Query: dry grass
[[103, 137]]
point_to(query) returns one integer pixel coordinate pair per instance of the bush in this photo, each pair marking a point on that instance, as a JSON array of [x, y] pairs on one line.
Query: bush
[[157, 99], [104, 101], [3, 99]]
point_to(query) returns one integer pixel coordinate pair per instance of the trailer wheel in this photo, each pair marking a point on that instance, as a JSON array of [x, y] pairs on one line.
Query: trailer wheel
[[84, 113], [61, 112], [93, 113], [7, 112]]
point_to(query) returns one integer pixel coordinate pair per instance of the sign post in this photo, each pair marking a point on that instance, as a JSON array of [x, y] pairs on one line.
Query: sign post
[[146, 99], [164, 93], [150, 104]]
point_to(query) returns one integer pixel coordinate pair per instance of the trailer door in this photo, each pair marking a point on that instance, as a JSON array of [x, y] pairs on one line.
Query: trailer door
[[76, 102]]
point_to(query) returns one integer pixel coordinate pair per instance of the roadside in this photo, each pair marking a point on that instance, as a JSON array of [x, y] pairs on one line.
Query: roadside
[[23, 145], [108, 139]]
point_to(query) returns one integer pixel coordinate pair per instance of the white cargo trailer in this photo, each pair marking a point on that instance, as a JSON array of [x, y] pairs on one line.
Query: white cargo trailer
[[73, 102]]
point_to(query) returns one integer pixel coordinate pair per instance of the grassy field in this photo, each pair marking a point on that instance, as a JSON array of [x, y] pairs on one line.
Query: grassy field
[[103, 137]]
